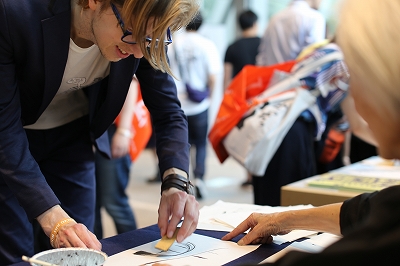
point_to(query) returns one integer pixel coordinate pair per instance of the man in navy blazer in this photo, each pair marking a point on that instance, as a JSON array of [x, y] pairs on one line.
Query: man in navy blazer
[[62, 83]]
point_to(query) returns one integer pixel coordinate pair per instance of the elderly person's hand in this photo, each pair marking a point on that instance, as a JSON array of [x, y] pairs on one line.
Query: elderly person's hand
[[174, 205], [262, 227]]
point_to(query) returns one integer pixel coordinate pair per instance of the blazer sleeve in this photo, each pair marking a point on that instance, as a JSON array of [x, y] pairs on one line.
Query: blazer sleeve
[[169, 121], [19, 173]]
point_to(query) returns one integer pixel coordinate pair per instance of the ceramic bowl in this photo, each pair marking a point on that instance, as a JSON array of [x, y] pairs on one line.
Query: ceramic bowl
[[71, 257]]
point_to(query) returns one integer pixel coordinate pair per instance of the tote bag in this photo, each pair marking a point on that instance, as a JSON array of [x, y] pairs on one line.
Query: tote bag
[[254, 142], [256, 138], [237, 100]]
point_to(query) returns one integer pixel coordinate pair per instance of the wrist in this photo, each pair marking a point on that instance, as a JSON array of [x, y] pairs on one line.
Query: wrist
[[178, 182], [124, 132], [50, 218], [57, 228], [286, 220]]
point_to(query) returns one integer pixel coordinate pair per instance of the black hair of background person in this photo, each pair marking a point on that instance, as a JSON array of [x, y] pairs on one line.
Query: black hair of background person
[[195, 23], [247, 19]]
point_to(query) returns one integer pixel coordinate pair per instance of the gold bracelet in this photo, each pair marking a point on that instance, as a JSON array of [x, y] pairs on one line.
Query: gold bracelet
[[57, 227], [125, 132]]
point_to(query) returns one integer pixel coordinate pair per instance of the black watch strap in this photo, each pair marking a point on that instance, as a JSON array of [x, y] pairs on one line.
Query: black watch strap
[[179, 182]]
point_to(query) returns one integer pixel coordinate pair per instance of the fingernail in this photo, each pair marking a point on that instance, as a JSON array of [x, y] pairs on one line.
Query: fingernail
[[240, 242]]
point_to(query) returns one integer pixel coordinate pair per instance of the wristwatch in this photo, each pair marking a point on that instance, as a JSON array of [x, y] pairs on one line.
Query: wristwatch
[[179, 182]]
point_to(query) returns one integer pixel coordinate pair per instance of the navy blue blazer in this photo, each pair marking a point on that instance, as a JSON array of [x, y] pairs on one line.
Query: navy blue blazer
[[34, 45]]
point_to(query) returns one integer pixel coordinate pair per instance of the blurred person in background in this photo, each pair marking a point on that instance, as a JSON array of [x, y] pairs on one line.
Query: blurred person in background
[[112, 175], [242, 52], [290, 31], [297, 156], [199, 63]]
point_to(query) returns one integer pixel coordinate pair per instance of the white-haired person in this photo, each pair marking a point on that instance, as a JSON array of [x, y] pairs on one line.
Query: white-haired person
[[368, 34]]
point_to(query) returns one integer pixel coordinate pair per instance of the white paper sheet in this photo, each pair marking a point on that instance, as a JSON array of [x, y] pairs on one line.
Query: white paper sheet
[[231, 215], [225, 216], [195, 250], [297, 246], [315, 244], [292, 236], [323, 240]]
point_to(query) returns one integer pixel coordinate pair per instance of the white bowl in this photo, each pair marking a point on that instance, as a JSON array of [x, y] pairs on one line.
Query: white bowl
[[72, 257]]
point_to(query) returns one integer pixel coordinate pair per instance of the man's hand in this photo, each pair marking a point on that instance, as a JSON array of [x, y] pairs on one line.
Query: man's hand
[[174, 205], [76, 235], [68, 234], [262, 227], [120, 143]]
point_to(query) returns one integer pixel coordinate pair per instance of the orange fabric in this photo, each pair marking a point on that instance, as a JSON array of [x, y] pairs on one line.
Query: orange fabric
[[250, 82], [141, 128]]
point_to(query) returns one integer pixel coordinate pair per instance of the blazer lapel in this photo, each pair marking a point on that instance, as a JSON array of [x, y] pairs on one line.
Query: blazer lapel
[[121, 74], [56, 37]]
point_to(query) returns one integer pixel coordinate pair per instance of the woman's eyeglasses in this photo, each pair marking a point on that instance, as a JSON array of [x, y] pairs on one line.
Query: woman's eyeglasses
[[127, 35]]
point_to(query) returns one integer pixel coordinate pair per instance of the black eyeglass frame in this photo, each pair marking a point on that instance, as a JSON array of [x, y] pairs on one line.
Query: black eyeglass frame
[[126, 32]]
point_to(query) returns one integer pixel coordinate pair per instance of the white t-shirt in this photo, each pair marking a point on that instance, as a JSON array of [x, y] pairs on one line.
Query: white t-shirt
[[197, 58], [84, 67]]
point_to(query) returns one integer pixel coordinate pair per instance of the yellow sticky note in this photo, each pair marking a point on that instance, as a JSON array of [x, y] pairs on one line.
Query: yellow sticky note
[[165, 243]]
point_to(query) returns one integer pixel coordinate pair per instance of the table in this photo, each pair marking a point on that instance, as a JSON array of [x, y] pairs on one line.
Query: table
[[300, 193], [121, 242]]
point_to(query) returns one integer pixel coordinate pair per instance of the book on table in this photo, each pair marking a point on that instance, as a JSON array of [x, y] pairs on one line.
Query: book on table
[[352, 182]]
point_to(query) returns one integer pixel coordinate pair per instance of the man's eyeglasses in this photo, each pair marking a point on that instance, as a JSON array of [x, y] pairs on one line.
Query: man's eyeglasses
[[127, 35]]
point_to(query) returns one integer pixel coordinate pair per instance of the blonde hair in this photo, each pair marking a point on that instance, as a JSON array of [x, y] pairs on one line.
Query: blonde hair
[[165, 13], [138, 14], [369, 35]]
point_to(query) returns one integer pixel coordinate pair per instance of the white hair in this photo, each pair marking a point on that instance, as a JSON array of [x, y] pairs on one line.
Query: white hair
[[369, 35]]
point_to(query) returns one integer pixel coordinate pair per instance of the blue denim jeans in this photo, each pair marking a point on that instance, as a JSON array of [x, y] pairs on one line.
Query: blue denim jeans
[[112, 177], [197, 125]]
